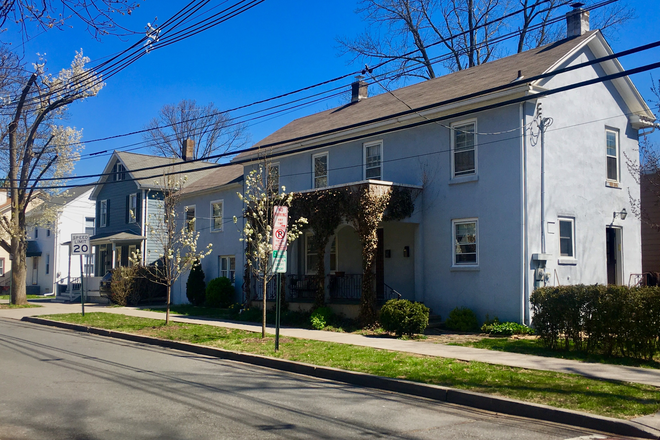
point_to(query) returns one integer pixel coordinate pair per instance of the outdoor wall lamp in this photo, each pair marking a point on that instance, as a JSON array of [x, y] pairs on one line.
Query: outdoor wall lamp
[[622, 215]]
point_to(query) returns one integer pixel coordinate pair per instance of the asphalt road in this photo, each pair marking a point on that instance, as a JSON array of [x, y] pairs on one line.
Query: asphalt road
[[57, 384]]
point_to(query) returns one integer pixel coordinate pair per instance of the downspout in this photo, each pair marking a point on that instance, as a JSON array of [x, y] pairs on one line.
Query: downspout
[[524, 318], [542, 126], [145, 206]]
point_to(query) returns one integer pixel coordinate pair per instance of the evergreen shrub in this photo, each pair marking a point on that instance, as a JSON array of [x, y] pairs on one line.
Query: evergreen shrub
[[219, 292], [403, 317], [321, 317], [196, 286], [462, 319]]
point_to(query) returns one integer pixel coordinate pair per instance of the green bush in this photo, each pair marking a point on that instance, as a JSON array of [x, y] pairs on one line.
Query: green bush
[[196, 286], [321, 317], [219, 292], [462, 320], [404, 317], [613, 320], [510, 328]]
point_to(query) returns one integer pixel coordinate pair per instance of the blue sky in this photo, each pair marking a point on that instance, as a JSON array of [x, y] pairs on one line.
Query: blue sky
[[276, 47]]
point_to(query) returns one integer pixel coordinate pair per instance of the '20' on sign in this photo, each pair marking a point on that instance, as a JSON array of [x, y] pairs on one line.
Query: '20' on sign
[[80, 244]]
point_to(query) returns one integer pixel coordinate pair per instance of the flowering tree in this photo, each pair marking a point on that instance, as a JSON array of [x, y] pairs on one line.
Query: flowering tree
[[35, 146], [177, 246], [261, 196]]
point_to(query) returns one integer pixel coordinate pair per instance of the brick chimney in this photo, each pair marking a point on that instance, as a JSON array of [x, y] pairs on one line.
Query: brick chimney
[[359, 89], [188, 150], [577, 21]]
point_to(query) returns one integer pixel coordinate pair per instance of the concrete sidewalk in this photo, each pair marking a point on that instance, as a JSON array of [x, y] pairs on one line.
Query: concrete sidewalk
[[593, 370]]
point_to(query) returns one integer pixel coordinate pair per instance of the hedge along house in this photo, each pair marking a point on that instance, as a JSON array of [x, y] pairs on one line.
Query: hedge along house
[[517, 181], [212, 202], [128, 199]]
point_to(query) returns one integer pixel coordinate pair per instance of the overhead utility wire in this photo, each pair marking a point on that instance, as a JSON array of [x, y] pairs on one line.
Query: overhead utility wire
[[421, 109], [539, 94]]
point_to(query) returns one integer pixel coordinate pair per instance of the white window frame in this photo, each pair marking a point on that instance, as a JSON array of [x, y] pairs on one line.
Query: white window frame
[[186, 210], [2, 267], [327, 169], [103, 213], [570, 220], [213, 217], [119, 171], [455, 223], [453, 150], [268, 182], [364, 159], [229, 271], [617, 157], [132, 208]]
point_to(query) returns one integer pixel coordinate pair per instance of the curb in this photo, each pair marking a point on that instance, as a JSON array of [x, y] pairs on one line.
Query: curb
[[485, 402]]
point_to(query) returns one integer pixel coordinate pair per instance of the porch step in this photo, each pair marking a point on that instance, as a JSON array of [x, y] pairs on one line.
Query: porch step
[[434, 321], [67, 298]]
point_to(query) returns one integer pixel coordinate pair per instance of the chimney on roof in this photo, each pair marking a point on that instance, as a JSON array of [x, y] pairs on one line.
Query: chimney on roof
[[577, 21], [188, 150], [359, 89]]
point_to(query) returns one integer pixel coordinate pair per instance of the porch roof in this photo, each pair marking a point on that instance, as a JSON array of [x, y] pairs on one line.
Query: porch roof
[[33, 249], [117, 237], [363, 182]]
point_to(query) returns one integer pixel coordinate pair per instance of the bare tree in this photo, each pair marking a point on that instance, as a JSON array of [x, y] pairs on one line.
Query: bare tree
[[49, 14], [35, 146], [212, 130], [415, 35]]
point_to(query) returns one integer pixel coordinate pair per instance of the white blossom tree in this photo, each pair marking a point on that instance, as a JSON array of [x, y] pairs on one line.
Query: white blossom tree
[[261, 196], [176, 240], [36, 146]]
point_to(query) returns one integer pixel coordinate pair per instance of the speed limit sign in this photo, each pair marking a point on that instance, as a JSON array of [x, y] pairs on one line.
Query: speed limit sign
[[80, 244]]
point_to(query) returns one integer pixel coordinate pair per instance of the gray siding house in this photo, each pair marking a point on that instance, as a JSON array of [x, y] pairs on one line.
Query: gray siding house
[[515, 184]]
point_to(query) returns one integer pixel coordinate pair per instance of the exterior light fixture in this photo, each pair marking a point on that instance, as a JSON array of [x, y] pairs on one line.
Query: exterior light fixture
[[622, 215]]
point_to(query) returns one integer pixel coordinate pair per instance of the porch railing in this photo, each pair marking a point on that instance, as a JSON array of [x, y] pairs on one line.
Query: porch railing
[[302, 287], [389, 293], [345, 286]]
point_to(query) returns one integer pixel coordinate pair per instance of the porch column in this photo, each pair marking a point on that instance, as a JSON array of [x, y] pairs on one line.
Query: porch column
[[114, 250]]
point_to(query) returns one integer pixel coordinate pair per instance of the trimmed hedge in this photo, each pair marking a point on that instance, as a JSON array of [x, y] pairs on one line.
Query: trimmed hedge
[[462, 319], [613, 320], [404, 317], [219, 292]]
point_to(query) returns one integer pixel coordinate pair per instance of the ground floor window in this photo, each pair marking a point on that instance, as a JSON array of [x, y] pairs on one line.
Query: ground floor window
[[312, 257], [227, 266], [566, 237], [466, 250]]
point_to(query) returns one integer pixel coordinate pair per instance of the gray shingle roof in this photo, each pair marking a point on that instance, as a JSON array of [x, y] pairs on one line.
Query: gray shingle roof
[[146, 179], [486, 76]]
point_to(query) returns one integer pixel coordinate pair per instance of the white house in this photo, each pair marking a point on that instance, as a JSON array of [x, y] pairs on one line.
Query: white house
[[48, 261], [517, 178]]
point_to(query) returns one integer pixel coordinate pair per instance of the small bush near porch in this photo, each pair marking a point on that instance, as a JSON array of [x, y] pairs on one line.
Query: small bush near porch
[[403, 317]]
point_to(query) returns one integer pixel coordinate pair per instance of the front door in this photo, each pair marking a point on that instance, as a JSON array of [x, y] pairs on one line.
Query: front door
[[35, 271], [613, 255]]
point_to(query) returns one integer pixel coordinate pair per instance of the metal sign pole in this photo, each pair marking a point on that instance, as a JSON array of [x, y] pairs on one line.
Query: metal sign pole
[[277, 313], [82, 292]]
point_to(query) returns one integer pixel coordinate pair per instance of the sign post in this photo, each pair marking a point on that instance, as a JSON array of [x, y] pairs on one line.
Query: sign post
[[80, 246], [280, 223]]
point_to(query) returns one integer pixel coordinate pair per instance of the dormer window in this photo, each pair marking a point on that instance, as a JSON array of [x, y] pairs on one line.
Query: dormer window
[[120, 172]]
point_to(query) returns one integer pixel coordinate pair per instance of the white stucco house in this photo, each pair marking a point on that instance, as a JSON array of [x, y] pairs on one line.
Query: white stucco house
[[50, 269], [518, 178]]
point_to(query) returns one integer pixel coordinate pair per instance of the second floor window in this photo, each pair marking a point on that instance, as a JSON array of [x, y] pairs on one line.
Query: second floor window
[[2, 267], [36, 232], [464, 148], [612, 140], [373, 161], [132, 208], [216, 215], [189, 212], [273, 181], [103, 214], [320, 170]]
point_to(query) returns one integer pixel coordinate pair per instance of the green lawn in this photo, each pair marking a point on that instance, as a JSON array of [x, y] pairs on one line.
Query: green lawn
[[11, 306], [535, 347], [28, 297], [621, 400]]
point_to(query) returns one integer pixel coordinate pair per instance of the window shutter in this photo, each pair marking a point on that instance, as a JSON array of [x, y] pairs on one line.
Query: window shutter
[[128, 208], [98, 212], [138, 208]]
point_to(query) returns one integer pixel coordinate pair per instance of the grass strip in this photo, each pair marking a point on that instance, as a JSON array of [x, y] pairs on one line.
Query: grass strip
[[535, 347], [612, 399], [28, 297], [13, 306]]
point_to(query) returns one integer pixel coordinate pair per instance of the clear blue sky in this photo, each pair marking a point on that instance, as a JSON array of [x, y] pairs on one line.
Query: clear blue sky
[[276, 47]]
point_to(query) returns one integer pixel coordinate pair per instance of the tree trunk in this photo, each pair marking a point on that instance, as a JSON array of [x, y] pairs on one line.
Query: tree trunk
[[167, 311], [263, 322], [368, 301], [18, 271]]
